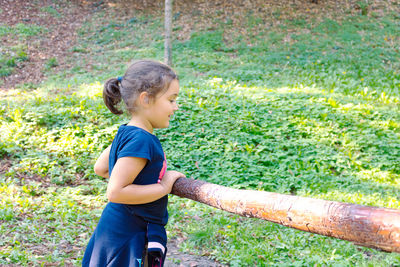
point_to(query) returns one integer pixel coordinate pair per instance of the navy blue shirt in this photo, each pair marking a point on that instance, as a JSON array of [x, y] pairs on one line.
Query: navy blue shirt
[[132, 141]]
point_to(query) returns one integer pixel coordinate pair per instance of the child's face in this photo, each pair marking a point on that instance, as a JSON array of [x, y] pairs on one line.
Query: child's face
[[164, 106]]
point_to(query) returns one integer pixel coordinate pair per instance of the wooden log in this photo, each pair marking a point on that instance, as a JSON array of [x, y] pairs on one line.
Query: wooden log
[[366, 226]]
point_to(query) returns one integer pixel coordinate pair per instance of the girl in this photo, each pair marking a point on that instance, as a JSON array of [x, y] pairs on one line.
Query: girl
[[136, 213]]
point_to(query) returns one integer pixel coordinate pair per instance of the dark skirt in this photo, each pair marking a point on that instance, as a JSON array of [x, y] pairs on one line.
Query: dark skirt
[[119, 239]]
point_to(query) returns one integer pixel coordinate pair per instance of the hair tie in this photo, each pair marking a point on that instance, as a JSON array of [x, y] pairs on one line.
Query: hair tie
[[119, 79]]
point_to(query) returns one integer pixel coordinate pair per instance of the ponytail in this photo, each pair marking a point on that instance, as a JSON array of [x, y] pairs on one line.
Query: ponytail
[[112, 95]]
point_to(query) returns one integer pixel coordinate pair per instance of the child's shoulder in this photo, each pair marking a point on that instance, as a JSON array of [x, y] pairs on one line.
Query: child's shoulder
[[128, 132]]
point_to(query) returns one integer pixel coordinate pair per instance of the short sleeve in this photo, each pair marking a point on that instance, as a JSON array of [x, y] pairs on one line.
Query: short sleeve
[[137, 145]]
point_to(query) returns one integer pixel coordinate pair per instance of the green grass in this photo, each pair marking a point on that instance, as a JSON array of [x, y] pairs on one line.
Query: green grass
[[21, 30], [12, 56], [45, 224], [51, 10], [305, 109], [51, 63]]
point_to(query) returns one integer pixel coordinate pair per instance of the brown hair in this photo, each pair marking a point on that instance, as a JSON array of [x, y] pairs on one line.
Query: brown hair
[[142, 76]]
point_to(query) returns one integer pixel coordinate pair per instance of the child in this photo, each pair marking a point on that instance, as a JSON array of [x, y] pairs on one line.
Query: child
[[136, 213]]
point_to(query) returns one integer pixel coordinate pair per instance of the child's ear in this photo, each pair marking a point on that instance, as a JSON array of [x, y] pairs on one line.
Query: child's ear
[[144, 99]]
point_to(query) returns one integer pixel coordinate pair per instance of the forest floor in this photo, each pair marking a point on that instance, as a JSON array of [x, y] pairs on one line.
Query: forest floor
[[62, 35], [56, 43]]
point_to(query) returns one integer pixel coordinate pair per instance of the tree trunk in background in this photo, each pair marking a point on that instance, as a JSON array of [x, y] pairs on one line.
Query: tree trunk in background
[[363, 225], [168, 33]]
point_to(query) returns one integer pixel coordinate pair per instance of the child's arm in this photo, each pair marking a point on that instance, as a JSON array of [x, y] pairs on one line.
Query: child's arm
[[101, 165], [121, 190]]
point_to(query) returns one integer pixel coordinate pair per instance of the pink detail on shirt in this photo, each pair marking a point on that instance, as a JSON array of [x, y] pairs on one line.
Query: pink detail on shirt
[[163, 170]]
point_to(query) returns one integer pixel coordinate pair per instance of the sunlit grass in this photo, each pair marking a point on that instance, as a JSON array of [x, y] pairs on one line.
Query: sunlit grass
[[371, 199], [379, 176], [253, 151], [92, 90], [45, 224]]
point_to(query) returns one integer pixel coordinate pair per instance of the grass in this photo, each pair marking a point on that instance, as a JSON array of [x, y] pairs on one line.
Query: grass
[[10, 58], [51, 63], [14, 55], [21, 30], [51, 10], [47, 224], [310, 109]]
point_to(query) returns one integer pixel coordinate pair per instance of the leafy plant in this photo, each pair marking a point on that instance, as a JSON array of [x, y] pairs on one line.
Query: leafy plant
[[52, 11], [10, 58], [51, 63], [364, 6], [21, 30]]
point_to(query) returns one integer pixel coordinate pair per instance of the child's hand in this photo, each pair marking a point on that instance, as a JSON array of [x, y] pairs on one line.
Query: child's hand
[[169, 179]]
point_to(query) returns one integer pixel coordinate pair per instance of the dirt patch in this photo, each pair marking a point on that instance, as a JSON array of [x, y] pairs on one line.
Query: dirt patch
[[178, 259], [60, 21], [6, 165], [191, 16]]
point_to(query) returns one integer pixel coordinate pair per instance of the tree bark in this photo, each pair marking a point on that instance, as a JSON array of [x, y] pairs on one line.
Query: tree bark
[[366, 226], [168, 33]]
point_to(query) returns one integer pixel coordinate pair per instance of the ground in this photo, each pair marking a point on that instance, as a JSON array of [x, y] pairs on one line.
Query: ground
[[63, 35], [56, 44], [176, 258]]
